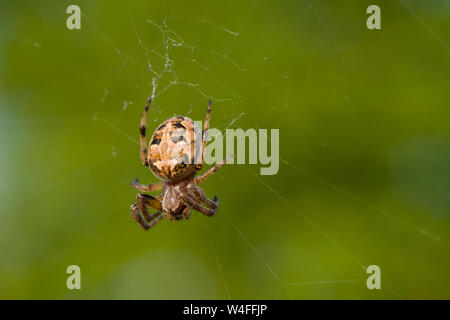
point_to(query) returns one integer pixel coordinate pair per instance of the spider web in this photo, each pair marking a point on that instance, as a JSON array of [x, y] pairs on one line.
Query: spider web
[[165, 68], [167, 71]]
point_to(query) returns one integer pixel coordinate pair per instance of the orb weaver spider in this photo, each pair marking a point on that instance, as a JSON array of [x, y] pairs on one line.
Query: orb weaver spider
[[166, 156]]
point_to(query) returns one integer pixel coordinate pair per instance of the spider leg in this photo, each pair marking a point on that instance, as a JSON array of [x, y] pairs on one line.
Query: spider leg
[[142, 130], [156, 217], [211, 170], [143, 201], [152, 217], [205, 135], [147, 187], [198, 195], [188, 201], [186, 213]]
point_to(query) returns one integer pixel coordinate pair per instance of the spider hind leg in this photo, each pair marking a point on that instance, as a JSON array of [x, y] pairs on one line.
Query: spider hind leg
[[142, 137]]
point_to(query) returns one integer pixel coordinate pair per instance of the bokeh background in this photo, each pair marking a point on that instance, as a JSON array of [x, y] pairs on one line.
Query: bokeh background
[[364, 148]]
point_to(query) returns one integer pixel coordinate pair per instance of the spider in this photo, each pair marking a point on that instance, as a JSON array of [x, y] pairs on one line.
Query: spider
[[168, 158]]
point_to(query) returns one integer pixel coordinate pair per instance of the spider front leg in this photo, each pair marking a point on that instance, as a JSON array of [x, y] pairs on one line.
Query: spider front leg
[[156, 217], [197, 194], [186, 213], [144, 201], [142, 130], [188, 201]]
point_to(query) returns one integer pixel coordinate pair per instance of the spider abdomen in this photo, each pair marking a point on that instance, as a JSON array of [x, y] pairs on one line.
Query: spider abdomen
[[171, 149]]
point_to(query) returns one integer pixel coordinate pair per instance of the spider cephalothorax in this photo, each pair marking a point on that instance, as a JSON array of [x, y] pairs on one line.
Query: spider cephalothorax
[[171, 156]]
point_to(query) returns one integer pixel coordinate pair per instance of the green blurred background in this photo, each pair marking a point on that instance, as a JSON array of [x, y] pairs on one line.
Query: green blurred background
[[364, 144]]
